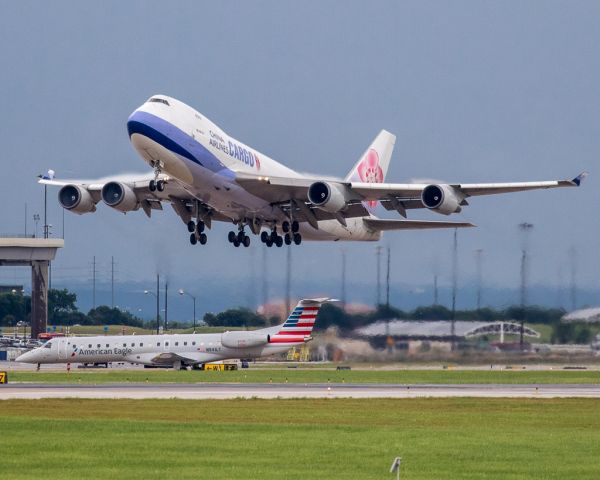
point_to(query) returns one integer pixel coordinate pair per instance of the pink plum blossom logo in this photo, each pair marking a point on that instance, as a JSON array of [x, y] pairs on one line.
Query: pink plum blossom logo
[[369, 171]]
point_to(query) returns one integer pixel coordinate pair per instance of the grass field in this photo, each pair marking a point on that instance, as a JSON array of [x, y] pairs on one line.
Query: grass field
[[299, 439], [283, 375]]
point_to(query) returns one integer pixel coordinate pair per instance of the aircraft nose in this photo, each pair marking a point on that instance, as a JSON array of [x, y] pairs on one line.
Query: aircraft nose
[[26, 357]]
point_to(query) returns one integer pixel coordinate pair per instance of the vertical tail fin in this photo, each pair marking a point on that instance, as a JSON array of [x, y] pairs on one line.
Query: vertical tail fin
[[373, 164], [300, 322]]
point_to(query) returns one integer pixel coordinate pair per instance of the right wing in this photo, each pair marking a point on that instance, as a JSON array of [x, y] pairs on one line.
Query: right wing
[[379, 224]]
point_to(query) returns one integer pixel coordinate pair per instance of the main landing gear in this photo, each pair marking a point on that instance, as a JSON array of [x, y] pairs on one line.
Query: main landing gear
[[291, 235], [239, 238], [156, 184], [197, 232]]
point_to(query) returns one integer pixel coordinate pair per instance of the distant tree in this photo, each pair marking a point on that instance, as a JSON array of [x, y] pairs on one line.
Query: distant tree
[[105, 315], [433, 312], [235, 317], [14, 306]]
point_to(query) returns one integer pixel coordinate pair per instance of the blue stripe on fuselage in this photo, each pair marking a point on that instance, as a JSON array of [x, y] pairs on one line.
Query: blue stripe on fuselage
[[174, 139]]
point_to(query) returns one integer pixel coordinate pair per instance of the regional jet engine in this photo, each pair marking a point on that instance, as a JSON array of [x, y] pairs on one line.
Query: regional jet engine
[[327, 196], [442, 199], [243, 339], [119, 196], [76, 199]]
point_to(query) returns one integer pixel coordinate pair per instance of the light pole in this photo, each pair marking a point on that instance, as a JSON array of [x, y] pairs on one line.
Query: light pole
[[182, 292], [148, 292]]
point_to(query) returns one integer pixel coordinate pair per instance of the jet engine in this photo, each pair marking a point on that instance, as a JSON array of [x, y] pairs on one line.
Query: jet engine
[[442, 199], [243, 339], [327, 196], [119, 196], [76, 199]]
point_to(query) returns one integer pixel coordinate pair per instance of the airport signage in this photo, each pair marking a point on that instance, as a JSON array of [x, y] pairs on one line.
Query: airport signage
[[3, 377]]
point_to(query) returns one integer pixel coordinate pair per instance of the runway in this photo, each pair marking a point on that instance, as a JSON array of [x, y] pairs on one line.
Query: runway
[[202, 391]]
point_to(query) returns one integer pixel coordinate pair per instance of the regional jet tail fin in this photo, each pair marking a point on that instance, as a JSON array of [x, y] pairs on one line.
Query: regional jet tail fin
[[300, 323], [378, 224]]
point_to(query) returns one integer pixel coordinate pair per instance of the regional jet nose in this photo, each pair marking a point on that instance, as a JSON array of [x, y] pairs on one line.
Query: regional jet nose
[[27, 357]]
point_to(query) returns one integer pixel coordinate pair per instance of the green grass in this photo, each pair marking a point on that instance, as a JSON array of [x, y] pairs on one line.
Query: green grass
[[299, 439], [283, 375]]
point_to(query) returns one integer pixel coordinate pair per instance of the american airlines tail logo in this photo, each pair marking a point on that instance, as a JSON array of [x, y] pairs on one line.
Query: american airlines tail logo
[[369, 171]]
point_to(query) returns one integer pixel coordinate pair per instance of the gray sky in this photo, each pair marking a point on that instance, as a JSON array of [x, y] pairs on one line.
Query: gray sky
[[474, 91]]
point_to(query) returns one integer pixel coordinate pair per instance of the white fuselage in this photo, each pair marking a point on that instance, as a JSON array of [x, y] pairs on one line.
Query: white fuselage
[[205, 161], [145, 349]]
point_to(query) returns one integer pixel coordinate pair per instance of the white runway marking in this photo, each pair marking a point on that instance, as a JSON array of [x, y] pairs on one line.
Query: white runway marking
[[229, 391]]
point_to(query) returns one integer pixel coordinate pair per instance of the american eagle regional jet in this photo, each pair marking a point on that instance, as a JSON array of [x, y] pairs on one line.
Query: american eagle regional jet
[[182, 350], [207, 176]]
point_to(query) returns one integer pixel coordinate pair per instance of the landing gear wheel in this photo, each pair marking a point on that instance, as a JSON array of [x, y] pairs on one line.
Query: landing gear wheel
[[246, 241], [200, 227], [264, 236], [295, 226], [285, 226], [236, 243], [191, 226], [297, 238], [152, 186], [287, 239], [193, 239], [240, 236], [274, 236], [269, 242], [279, 241], [232, 237], [160, 185], [203, 238]]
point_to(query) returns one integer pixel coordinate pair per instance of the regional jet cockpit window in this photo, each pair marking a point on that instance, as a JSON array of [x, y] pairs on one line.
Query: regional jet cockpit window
[[159, 100], [48, 345]]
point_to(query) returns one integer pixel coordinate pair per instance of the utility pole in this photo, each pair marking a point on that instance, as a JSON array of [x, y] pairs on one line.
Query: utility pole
[[26, 218], [454, 287], [387, 280], [343, 294], [112, 281], [288, 280], [94, 283], [378, 256], [157, 304], [166, 322], [435, 289], [525, 228], [478, 259], [265, 285], [573, 255]]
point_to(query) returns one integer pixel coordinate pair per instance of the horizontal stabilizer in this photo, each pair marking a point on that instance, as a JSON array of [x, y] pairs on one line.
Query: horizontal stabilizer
[[378, 224]]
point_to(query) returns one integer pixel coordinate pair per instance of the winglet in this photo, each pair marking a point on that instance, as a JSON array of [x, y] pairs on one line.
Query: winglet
[[579, 178]]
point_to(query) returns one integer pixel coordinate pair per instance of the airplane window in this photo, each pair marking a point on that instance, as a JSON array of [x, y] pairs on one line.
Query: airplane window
[[184, 343], [98, 346], [90, 345], [193, 343], [141, 344], [47, 345], [107, 345], [176, 343], [166, 344], [158, 344], [124, 344], [159, 100], [133, 344]]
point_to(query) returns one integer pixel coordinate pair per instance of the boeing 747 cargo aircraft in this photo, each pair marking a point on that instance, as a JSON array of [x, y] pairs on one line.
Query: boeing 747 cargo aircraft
[[207, 175], [182, 350]]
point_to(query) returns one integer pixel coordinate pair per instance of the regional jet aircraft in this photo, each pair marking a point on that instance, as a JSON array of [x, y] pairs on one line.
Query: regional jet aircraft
[[207, 175], [179, 351]]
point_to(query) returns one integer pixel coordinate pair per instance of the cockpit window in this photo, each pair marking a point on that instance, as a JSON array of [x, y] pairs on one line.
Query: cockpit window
[[159, 100], [48, 345]]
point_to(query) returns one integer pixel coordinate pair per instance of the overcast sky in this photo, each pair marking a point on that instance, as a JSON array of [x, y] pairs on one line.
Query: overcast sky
[[474, 91]]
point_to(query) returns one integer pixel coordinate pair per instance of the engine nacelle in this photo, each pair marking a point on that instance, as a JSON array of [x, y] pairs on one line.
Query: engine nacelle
[[119, 196], [76, 199], [442, 199], [244, 339], [327, 196]]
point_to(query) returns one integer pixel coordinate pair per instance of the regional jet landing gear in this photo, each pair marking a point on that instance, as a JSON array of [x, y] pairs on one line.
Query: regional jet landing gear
[[197, 232]]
